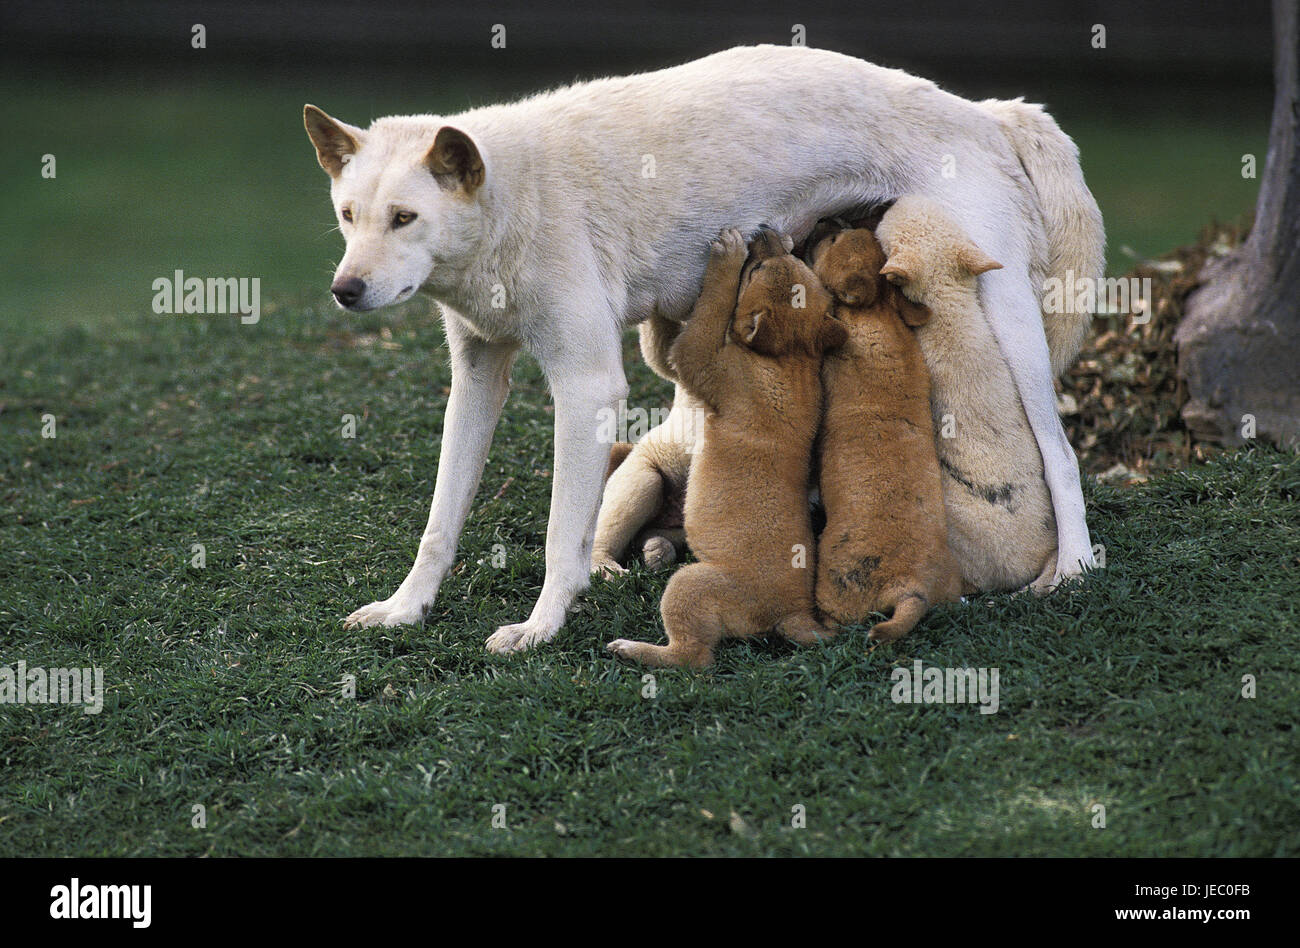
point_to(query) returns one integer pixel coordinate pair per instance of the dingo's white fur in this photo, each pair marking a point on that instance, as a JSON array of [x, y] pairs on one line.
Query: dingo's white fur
[[590, 208]]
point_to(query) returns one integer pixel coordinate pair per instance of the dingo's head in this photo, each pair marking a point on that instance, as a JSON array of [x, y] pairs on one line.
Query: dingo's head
[[406, 192]]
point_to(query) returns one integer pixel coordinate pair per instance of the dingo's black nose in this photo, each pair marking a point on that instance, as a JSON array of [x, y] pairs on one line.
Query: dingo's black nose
[[348, 291]]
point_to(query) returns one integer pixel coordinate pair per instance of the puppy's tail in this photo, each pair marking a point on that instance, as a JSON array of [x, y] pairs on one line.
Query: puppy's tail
[[618, 452], [1076, 238], [908, 611]]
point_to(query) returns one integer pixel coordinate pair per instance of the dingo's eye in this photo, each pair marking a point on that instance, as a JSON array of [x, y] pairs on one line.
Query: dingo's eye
[[347, 214], [402, 218]]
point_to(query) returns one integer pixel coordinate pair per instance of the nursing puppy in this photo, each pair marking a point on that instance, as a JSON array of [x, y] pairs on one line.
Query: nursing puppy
[[753, 357], [645, 490], [885, 544], [1000, 521]]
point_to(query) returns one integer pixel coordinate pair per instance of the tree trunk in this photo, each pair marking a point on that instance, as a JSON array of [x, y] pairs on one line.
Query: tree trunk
[[1239, 340]]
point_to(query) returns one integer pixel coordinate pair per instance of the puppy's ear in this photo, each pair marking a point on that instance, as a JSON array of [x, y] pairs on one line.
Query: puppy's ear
[[869, 290], [898, 269], [749, 325], [757, 331], [821, 230], [832, 334], [336, 142], [455, 162], [975, 261], [914, 314]]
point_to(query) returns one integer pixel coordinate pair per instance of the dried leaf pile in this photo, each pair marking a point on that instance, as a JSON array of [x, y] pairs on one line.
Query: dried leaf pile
[[1121, 399]]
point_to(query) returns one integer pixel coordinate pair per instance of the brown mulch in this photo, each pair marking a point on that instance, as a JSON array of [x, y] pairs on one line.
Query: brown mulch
[[1120, 401]]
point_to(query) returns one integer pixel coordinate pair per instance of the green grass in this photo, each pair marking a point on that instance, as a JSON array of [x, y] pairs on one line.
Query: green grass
[[225, 682]]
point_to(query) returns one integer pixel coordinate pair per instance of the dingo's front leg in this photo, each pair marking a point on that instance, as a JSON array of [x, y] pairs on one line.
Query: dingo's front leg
[[480, 381], [586, 383]]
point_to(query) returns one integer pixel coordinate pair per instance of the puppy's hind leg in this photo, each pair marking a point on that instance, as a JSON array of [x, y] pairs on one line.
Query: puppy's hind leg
[[633, 495], [700, 607]]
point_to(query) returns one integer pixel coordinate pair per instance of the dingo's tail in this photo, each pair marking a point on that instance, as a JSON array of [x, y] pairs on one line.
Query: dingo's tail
[[1075, 235]]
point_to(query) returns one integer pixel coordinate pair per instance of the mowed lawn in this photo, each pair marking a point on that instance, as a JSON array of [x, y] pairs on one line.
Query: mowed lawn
[[226, 684]]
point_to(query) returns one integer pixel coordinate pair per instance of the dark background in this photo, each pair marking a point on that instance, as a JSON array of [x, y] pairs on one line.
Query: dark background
[[1220, 39]]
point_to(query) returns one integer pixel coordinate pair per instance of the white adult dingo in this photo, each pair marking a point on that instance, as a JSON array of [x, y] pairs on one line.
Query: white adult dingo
[[590, 208]]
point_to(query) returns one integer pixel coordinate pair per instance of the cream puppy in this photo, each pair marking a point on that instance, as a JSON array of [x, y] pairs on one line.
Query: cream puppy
[[1001, 526], [649, 481]]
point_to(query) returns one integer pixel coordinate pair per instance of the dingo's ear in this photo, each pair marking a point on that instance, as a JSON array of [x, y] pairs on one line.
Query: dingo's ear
[[975, 261], [455, 161], [335, 141]]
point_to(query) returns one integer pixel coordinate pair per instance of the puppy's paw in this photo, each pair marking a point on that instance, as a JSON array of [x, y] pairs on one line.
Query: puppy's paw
[[729, 246], [1044, 585], [658, 552], [881, 635], [627, 650], [606, 567]]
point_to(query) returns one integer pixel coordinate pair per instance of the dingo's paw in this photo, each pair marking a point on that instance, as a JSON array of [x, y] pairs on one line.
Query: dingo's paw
[[520, 636], [395, 610], [1068, 568]]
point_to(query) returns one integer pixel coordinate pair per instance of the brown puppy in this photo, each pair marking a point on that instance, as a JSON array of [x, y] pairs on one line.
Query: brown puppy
[[747, 520], [885, 545]]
